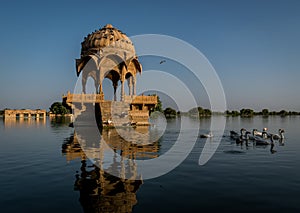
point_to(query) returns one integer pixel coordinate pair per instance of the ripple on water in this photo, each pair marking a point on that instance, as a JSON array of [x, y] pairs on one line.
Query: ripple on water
[[234, 152]]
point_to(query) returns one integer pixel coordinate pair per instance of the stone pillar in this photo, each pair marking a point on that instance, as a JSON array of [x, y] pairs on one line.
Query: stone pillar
[[134, 86], [122, 78], [130, 86], [115, 85], [83, 83], [100, 89], [96, 87], [122, 91]]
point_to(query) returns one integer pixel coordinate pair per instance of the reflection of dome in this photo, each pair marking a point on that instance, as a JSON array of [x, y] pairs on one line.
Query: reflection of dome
[[108, 36], [102, 192]]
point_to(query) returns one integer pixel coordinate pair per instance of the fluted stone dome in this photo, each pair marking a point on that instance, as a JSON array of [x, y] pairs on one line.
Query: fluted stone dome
[[106, 37], [108, 49]]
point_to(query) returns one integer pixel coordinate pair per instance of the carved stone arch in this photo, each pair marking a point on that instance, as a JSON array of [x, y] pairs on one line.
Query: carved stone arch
[[90, 69], [112, 61], [114, 76], [128, 74], [81, 63], [134, 63], [118, 60], [129, 77], [108, 63]]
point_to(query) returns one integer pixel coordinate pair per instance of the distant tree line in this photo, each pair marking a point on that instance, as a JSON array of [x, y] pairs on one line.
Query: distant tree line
[[199, 111], [264, 112], [202, 112]]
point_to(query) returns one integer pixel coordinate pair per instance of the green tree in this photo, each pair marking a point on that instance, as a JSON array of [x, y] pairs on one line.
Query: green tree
[[199, 111], [283, 113], [158, 106], [265, 112], [207, 112], [246, 112], [58, 109], [169, 112], [235, 113]]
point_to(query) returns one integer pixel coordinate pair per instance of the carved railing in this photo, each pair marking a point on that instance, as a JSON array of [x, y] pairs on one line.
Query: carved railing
[[142, 99], [84, 98], [139, 113], [97, 98]]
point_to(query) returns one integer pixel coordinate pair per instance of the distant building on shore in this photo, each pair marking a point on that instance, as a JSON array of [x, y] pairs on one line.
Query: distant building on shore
[[25, 113]]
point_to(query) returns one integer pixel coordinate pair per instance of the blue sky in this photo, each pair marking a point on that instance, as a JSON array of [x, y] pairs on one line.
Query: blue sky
[[253, 45]]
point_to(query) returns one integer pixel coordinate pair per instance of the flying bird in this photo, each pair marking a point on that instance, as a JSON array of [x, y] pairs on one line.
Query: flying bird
[[163, 61]]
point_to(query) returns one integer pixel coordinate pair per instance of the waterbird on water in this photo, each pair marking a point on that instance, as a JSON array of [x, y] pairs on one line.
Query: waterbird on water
[[209, 135], [235, 135], [243, 137], [256, 135], [278, 136], [259, 137], [262, 134]]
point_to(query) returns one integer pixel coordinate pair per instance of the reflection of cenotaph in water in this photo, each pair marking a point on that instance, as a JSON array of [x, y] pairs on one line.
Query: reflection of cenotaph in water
[[109, 53], [99, 190]]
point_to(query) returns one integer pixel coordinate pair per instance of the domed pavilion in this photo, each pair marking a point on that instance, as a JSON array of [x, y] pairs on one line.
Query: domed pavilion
[[109, 54]]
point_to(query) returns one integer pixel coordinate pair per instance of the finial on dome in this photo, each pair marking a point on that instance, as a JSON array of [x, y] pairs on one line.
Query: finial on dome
[[108, 26]]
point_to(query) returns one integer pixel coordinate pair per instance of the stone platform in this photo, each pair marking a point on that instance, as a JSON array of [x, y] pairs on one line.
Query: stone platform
[[134, 110]]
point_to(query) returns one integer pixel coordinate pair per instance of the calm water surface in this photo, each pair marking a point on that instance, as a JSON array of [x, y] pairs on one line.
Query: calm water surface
[[43, 169]]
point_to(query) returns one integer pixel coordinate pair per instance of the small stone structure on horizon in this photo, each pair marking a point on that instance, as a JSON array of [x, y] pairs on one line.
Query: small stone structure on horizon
[[109, 53], [24, 113]]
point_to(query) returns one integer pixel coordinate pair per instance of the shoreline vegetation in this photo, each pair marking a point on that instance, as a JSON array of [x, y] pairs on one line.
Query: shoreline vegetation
[[201, 112], [57, 109]]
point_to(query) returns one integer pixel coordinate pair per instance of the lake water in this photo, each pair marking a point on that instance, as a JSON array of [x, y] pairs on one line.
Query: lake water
[[43, 169]]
